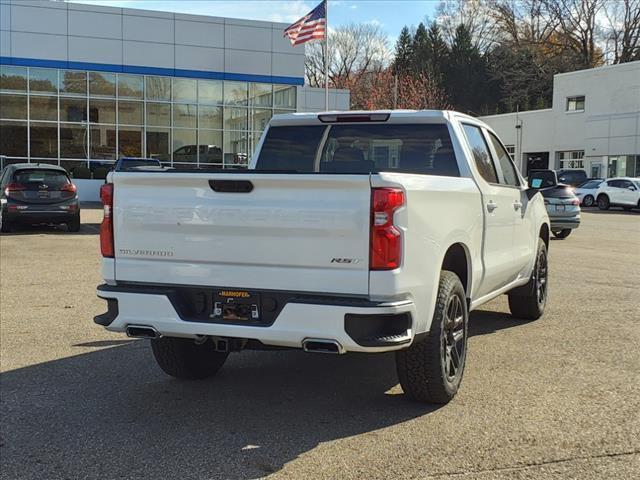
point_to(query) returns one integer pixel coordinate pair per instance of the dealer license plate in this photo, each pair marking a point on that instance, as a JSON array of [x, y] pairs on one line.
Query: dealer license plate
[[236, 306]]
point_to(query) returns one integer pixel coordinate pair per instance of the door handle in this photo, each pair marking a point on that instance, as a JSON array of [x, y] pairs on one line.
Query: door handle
[[517, 205], [491, 206]]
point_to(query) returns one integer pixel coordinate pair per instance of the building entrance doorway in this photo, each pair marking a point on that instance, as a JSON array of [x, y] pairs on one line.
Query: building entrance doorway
[[536, 161]]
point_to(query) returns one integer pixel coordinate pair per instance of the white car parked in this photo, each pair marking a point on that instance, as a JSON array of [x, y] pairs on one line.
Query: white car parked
[[619, 192], [586, 192]]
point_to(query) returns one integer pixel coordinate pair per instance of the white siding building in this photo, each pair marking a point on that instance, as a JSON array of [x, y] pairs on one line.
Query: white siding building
[[82, 85], [594, 124]]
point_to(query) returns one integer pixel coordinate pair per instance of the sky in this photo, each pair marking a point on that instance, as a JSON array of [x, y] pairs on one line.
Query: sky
[[391, 15]]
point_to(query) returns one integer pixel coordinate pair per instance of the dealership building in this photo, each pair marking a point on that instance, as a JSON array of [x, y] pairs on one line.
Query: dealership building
[[82, 85], [593, 124]]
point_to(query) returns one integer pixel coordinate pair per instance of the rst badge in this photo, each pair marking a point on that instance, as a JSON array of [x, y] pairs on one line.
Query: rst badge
[[345, 260]]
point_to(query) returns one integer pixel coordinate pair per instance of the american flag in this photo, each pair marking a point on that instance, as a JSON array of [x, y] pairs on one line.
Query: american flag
[[310, 27]]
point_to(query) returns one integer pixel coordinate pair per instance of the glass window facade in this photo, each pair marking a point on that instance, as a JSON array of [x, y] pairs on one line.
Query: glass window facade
[[84, 120], [571, 159]]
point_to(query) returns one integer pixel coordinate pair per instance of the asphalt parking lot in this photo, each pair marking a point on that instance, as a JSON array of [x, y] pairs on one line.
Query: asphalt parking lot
[[555, 398]]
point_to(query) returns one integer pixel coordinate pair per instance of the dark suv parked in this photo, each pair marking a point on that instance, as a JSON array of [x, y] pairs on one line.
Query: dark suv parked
[[34, 193], [573, 177]]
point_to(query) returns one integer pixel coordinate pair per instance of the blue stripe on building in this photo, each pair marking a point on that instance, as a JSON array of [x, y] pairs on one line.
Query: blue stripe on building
[[142, 70]]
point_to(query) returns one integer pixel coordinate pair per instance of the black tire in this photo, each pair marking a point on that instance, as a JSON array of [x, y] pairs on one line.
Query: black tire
[[528, 302], [603, 202], [564, 233], [425, 368], [183, 358], [5, 226], [588, 201], [74, 225]]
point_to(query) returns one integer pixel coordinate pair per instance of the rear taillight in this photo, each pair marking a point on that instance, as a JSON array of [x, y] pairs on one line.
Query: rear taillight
[[106, 227], [13, 188], [68, 187], [386, 240], [575, 201]]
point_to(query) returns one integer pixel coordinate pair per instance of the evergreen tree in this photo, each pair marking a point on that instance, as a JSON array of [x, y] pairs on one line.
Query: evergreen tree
[[438, 53], [466, 74], [404, 52], [421, 52]]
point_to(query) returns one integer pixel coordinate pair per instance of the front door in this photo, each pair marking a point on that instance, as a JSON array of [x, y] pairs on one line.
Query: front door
[[499, 216], [523, 242], [628, 192]]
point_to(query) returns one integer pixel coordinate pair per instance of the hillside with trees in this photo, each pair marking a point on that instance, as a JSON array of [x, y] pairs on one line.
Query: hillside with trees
[[479, 57]]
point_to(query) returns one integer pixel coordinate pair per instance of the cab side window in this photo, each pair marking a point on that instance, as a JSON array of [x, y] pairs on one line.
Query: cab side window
[[481, 154], [504, 160]]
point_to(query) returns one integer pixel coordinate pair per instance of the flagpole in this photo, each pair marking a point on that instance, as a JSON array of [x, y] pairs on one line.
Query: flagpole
[[326, 55]]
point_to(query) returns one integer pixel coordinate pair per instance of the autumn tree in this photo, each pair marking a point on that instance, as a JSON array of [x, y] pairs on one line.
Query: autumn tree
[[385, 90]]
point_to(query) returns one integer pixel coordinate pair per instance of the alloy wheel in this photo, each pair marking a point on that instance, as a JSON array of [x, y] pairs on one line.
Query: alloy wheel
[[541, 279], [453, 351]]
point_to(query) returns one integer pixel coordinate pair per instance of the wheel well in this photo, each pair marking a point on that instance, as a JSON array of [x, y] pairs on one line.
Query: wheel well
[[603, 195], [544, 234], [457, 261]]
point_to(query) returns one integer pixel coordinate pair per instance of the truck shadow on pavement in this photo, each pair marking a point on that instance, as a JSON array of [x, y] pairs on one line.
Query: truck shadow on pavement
[[112, 413]]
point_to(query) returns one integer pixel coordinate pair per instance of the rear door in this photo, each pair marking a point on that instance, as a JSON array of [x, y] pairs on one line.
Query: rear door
[[615, 191], [277, 231], [498, 204]]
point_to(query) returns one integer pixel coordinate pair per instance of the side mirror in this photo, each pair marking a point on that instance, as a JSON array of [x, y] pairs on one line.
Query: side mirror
[[632, 188]]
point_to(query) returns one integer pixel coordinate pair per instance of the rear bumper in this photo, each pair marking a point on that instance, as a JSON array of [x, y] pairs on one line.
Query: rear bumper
[[17, 212], [564, 222], [357, 326]]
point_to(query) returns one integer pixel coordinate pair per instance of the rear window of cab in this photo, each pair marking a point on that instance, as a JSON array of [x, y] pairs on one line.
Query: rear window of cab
[[359, 148]]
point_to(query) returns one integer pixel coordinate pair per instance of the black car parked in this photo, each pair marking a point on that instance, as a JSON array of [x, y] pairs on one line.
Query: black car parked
[[125, 164], [572, 176], [33, 193]]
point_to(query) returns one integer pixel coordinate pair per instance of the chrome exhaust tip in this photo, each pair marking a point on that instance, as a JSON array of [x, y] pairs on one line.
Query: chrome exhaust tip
[[322, 345], [142, 331]]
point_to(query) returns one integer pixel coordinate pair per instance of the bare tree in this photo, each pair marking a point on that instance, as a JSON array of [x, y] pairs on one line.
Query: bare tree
[[622, 30], [354, 51], [577, 28], [522, 22], [473, 14]]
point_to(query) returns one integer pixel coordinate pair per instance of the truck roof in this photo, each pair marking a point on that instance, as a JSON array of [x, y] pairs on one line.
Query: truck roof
[[313, 118]]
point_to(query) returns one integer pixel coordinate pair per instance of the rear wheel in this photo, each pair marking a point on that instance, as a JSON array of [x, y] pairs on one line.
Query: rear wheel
[[74, 224], [603, 202], [184, 358], [528, 302], [5, 227], [564, 233], [588, 201], [431, 369]]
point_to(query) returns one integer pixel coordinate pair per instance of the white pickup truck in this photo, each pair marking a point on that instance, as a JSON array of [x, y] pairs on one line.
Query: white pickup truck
[[350, 232]]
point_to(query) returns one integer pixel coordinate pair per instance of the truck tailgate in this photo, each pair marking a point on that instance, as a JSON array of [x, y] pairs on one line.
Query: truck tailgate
[[293, 232]]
